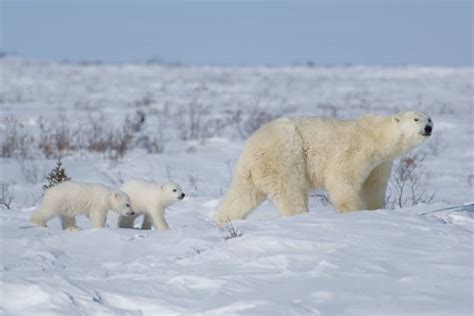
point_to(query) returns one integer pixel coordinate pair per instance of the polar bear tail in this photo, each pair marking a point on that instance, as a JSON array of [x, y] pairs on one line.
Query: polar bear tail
[[241, 199]]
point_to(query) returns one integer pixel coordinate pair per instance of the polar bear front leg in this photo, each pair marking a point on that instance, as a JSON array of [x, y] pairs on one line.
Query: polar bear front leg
[[98, 220], [375, 186], [68, 223], [147, 222], [159, 221], [42, 215], [345, 195]]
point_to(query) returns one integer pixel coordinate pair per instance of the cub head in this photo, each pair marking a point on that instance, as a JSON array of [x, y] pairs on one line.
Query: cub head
[[121, 203], [171, 192], [413, 128]]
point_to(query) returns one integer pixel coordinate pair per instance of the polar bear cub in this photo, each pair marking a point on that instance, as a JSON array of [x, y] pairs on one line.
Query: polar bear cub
[[70, 198], [149, 199]]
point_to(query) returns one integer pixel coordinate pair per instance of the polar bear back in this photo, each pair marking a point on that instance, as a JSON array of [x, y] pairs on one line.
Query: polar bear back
[[144, 195], [78, 198], [332, 143]]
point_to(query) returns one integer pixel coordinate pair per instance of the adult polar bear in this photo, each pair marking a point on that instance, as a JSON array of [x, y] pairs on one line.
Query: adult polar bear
[[350, 159]]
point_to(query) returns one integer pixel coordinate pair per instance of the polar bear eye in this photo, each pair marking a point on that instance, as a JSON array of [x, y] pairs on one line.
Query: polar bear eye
[[174, 190], [416, 120], [127, 205]]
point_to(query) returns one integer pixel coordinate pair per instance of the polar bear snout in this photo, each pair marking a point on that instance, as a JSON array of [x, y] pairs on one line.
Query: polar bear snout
[[428, 130], [181, 196], [130, 213]]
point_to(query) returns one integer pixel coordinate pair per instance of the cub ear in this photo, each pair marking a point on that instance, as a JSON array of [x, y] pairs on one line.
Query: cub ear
[[116, 195], [395, 119]]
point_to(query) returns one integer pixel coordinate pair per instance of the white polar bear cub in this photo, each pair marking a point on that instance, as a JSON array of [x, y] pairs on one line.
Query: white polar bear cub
[[149, 199], [350, 159], [70, 198]]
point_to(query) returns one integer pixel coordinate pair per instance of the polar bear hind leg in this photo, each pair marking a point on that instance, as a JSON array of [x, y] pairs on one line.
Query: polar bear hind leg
[[280, 173], [272, 165], [68, 223], [125, 221], [147, 222], [241, 199], [287, 187]]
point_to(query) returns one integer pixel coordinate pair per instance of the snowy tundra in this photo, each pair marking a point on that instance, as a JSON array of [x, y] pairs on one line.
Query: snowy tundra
[[192, 125]]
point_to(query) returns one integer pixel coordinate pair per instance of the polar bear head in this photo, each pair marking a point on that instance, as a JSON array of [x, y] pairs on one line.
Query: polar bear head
[[121, 203], [170, 193], [412, 128]]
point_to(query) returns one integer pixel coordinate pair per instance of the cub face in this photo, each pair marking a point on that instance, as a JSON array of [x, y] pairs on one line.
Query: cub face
[[171, 192], [121, 203]]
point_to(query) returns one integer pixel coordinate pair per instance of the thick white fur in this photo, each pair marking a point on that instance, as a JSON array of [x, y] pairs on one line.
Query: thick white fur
[[69, 199], [151, 200], [349, 159]]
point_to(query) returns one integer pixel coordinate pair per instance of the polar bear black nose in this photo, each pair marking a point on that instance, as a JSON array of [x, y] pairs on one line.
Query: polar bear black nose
[[428, 129]]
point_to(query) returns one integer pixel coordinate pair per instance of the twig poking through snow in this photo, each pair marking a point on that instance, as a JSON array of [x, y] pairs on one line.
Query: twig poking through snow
[[7, 194], [232, 231], [449, 208]]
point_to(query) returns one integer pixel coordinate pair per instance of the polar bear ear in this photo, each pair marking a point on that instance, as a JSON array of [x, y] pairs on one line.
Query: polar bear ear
[[396, 119], [116, 195]]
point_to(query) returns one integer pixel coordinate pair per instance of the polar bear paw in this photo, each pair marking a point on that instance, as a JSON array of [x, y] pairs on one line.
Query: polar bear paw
[[72, 229]]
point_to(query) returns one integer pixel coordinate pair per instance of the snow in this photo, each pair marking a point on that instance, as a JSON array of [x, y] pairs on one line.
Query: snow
[[408, 261]]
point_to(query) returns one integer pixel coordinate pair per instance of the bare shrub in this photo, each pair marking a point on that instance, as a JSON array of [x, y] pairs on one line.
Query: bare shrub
[[251, 121], [328, 109], [319, 198], [407, 186], [168, 173], [57, 141], [115, 179], [198, 249], [96, 138], [470, 180], [444, 108], [152, 145], [195, 250], [193, 181], [113, 142], [16, 141], [7, 194], [195, 121], [59, 137], [435, 145], [30, 169], [231, 231], [121, 141], [145, 101], [254, 120], [135, 121]]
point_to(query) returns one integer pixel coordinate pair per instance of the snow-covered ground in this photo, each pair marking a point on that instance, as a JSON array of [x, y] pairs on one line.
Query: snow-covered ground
[[387, 262]]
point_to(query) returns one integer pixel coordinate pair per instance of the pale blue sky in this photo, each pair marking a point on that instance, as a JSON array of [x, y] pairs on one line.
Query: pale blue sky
[[245, 32]]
